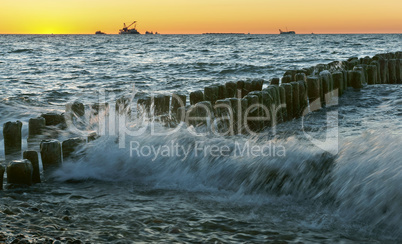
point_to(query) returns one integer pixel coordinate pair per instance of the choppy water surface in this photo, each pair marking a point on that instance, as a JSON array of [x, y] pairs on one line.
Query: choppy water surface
[[108, 195]]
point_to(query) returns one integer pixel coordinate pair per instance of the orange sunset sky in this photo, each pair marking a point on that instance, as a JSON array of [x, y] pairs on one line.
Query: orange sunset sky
[[196, 16]]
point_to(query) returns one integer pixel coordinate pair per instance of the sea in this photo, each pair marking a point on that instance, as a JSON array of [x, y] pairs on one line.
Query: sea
[[332, 176]]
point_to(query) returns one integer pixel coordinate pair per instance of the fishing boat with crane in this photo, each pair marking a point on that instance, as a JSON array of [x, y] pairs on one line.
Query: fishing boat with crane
[[130, 29]]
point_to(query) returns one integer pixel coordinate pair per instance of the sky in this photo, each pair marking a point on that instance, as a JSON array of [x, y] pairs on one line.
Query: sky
[[200, 16]]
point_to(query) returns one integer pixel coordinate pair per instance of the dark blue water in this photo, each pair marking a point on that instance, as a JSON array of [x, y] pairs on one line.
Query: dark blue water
[[113, 194]]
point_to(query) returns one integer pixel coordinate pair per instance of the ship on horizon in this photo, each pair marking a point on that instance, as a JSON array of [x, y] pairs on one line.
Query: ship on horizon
[[222, 33], [151, 33], [286, 32], [128, 30]]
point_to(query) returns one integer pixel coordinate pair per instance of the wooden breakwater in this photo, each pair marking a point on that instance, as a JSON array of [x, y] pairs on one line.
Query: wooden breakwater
[[242, 107], [246, 107]]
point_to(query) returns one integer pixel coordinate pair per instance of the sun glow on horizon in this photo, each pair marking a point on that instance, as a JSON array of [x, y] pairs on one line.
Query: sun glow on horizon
[[195, 17]]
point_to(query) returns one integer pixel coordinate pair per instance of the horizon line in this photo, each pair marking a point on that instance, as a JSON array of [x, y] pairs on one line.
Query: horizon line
[[208, 33]]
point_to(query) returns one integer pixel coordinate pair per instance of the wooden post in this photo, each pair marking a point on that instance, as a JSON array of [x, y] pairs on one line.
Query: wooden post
[[252, 113], [314, 92], [69, 146], [178, 100], [337, 77], [222, 94], [392, 71], [196, 97], [236, 109], [300, 76], [50, 151], [12, 137], [223, 112], [384, 70], [258, 84], [32, 156], [326, 81], [282, 96], [268, 103], [302, 96], [244, 106], [247, 88], [161, 104], [36, 126], [295, 99], [211, 94], [231, 89], [356, 78], [289, 100], [19, 172], [260, 123], [240, 89], [54, 119], [372, 74], [274, 81], [286, 79], [77, 108]]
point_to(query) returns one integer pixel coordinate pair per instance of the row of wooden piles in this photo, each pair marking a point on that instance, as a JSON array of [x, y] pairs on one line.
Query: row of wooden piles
[[242, 107], [246, 107]]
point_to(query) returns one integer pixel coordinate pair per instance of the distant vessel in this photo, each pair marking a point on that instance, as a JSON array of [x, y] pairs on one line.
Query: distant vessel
[[286, 32], [100, 33], [223, 33], [128, 30], [151, 33]]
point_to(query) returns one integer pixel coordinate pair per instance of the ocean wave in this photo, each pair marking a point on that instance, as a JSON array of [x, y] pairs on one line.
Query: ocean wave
[[362, 181], [366, 181]]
